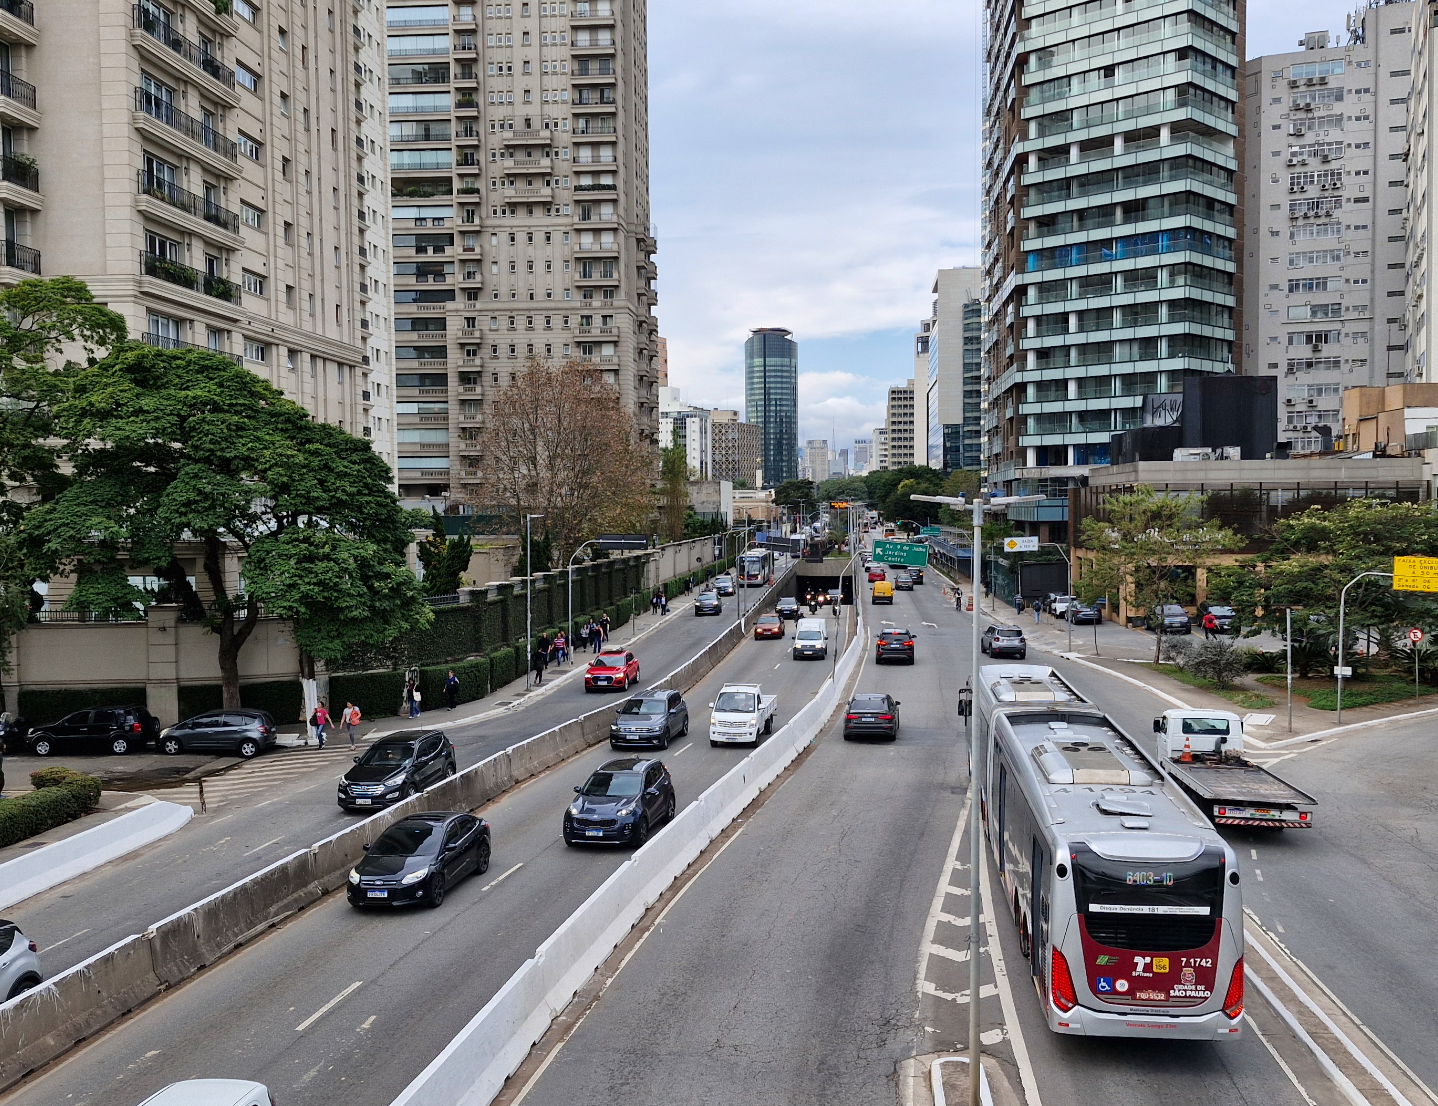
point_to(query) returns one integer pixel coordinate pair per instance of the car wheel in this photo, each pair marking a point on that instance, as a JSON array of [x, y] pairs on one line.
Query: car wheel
[[436, 891], [713, 744], [248, 748], [1024, 654], [685, 731], [119, 745], [23, 984], [769, 724], [406, 792], [43, 747], [171, 746], [450, 769], [481, 858], [673, 806], [641, 832]]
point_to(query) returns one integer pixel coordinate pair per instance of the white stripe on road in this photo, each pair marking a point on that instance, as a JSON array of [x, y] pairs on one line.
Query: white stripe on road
[[57, 944], [327, 1007], [987, 990], [504, 877], [267, 844]]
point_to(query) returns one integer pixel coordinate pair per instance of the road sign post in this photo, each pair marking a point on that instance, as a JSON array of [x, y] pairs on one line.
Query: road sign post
[[1415, 635]]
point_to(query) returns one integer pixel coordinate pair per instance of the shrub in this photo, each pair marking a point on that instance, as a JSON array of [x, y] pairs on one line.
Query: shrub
[[473, 679], [503, 667], [49, 705], [1215, 660], [1263, 660], [33, 812], [86, 789]]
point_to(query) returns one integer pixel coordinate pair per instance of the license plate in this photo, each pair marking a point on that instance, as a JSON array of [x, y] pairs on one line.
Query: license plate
[[364, 802], [594, 833], [378, 894]]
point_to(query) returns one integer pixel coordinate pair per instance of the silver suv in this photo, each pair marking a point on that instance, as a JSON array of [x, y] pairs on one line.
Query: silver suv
[[19, 961]]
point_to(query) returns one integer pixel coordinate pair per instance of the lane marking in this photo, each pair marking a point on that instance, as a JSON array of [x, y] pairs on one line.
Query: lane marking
[[1282, 1063], [1006, 994], [1341, 1081], [778, 666], [681, 752], [504, 877], [369, 1021], [57, 944], [1258, 875], [266, 845], [986, 990], [931, 625], [1253, 854], [327, 1007]]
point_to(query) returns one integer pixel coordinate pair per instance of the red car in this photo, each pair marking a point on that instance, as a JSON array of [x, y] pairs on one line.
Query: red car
[[768, 625], [613, 668], [876, 573]]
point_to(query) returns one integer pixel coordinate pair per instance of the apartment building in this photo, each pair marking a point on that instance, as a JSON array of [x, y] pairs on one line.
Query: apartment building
[[814, 460], [771, 399], [690, 428], [661, 362], [953, 389], [863, 455], [881, 448], [1327, 218], [203, 169], [923, 342], [1110, 157], [738, 449], [899, 427], [520, 216], [1422, 190]]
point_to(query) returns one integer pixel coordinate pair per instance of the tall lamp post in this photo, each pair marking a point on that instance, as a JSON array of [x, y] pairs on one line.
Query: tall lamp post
[[570, 632], [978, 505], [738, 577], [1068, 615], [1342, 601], [528, 597]]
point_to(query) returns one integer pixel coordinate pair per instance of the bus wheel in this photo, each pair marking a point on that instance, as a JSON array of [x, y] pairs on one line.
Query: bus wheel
[[1025, 945]]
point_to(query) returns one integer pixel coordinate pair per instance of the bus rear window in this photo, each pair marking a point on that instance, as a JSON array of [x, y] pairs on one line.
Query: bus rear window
[[1161, 906]]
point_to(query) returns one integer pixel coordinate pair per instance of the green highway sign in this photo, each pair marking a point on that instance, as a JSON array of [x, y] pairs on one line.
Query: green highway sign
[[901, 553], [929, 532]]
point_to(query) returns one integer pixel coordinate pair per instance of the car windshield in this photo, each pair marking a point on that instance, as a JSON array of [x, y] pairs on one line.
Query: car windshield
[[617, 785], [867, 702], [1008, 633], [735, 701], [769, 619], [643, 706], [1221, 612], [387, 755], [1173, 612], [1205, 726], [608, 660], [707, 597], [407, 839], [810, 635], [722, 580]]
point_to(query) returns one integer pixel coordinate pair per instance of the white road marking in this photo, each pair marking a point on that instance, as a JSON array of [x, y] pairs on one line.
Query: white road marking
[[681, 752], [931, 625], [1253, 853], [267, 844], [958, 956], [1258, 875], [369, 1021], [57, 944], [987, 990], [1279, 926], [953, 921], [504, 877], [778, 666], [956, 890], [327, 1007], [1006, 994]]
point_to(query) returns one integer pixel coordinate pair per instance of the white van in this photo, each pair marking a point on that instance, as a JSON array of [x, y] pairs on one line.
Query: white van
[[811, 638]]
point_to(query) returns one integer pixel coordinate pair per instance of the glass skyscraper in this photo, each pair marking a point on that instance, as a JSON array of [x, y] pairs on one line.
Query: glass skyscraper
[[771, 399]]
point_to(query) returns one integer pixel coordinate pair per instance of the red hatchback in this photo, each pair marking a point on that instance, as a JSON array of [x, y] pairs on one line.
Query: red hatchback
[[613, 668], [876, 573]]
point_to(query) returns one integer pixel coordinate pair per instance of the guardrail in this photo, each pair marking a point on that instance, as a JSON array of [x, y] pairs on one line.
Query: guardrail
[[46, 1022]]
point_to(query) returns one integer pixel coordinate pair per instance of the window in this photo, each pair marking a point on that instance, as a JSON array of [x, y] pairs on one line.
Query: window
[[248, 146], [254, 217], [289, 231], [247, 78], [1318, 69], [254, 283], [244, 10], [256, 351], [284, 103]]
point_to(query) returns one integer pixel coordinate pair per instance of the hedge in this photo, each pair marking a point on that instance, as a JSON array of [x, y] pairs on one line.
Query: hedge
[[42, 706], [377, 694], [46, 807], [504, 666], [85, 788], [282, 699], [473, 679]]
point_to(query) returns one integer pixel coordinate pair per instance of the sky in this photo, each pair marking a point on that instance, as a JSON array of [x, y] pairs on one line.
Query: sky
[[811, 166]]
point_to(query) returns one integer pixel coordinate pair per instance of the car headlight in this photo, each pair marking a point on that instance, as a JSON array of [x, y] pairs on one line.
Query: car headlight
[[354, 875], [628, 810], [393, 785], [415, 877], [574, 808]]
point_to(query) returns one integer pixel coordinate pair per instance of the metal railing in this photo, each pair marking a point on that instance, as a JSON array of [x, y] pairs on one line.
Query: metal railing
[[148, 184], [197, 55], [13, 88], [22, 10], [22, 257], [164, 341], [192, 128], [174, 272], [21, 171]]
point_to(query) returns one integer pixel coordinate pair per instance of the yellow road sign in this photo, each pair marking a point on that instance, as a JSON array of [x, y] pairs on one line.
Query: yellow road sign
[[1021, 545], [1415, 573]]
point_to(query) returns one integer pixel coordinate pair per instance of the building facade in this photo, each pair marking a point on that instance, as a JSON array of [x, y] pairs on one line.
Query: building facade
[[520, 214], [863, 455], [1422, 188], [899, 427], [223, 199], [1111, 152], [738, 449], [690, 428], [881, 448], [1327, 225], [814, 462], [771, 399], [953, 392]]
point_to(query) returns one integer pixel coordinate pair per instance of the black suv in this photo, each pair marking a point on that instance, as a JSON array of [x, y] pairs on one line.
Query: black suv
[[789, 608], [872, 715], [117, 730], [1170, 618], [654, 718], [622, 802], [894, 645], [243, 732], [396, 767], [708, 603], [1001, 641]]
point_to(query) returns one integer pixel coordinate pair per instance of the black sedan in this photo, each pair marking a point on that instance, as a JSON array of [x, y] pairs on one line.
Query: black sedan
[[395, 768], [620, 803], [916, 574], [1170, 618], [708, 603], [1004, 641], [418, 858], [1226, 617], [117, 730], [245, 733], [654, 718], [1084, 614], [894, 645], [789, 608], [872, 714], [903, 582]]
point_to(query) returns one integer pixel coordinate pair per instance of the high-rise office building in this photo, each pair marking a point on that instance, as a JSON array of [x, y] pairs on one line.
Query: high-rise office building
[[222, 199], [814, 460], [1327, 225], [1111, 146], [953, 392], [863, 455], [520, 210], [899, 427], [738, 449], [688, 427], [771, 399], [1422, 192]]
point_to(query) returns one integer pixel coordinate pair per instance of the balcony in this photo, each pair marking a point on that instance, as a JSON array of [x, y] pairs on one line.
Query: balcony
[[147, 103], [22, 257], [201, 58], [13, 88], [596, 159], [596, 188], [21, 170], [164, 341], [175, 273], [22, 10], [147, 184]]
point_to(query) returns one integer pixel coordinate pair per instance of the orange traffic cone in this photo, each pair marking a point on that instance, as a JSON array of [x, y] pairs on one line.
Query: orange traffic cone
[[970, 605], [1186, 757]]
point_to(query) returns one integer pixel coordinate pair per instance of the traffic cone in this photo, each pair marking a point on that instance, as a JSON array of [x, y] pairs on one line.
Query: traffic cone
[[970, 603], [1186, 757]]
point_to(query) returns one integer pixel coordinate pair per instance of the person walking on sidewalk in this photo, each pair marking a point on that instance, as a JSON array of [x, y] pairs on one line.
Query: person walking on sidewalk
[[414, 701], [1038, 608], [350, 719], [320, 719], [654, 603], [604, 627], [1018, 604], [537, 661], [958, 598], [663, 602], [451, 690], [1210, 626], [561, 647]]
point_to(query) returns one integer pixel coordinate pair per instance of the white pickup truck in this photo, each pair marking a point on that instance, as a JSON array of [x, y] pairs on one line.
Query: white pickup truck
[[740, 714]]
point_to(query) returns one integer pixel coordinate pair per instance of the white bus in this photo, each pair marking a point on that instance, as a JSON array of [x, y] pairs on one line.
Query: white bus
[[755, 568]]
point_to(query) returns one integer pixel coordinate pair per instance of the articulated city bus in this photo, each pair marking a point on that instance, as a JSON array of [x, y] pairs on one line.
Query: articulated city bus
[[1126, 900], [755, 568]]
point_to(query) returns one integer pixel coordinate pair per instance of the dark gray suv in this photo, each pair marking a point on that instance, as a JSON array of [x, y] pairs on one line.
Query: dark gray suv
[[245, 733], [654, 718]]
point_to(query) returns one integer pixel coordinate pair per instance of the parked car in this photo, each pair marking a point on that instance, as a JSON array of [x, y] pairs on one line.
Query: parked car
[[117, 730], [1058, 605], [395, 767], [883, 592], [621, 802], [872, 714], [419, 858], [894, 645], [768, 626], [1084, 614], [246, 733], [1224, 615], [654, 718], [19, 961], [1170, 618], [876, 572], [1004, 641], [212, 1092], [708, 603], [788, 608], [724, 584], [903, 582], [613, 668]]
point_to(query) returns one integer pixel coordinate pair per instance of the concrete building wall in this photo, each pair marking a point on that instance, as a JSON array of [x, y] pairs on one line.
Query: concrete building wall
[[952, 393], [899, 426]]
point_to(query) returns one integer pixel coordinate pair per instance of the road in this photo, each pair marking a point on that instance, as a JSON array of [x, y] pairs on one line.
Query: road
[[410, 979], [262, 810]]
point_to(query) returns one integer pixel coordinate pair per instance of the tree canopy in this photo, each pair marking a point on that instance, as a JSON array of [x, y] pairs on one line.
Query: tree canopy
[[889, 491], [794, 493], [838, 488], [443, 558]]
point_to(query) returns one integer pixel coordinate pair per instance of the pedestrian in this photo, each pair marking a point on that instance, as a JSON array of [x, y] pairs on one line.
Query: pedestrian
[[536, 665], [350, 718], [604, 627], [1038, 607], [414, 702], [1210, 626], [451, 690], [320, 719], [1018, 604], [663, 603], [958, 599], [654, 603], [409, 698], [543, 645], [587, 636], [561, 646]]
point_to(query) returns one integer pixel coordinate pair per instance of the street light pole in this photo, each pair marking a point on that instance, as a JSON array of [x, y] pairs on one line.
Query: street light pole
[[978, 505], [1342, 601], [1068, 617], [528, 598], [569, 634], [1288, 650]]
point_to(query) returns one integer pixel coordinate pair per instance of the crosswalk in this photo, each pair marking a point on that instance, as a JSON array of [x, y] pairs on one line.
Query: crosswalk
[[247, 782]]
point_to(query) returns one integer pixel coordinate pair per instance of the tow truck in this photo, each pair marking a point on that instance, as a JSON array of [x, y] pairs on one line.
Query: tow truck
[[740, 714]]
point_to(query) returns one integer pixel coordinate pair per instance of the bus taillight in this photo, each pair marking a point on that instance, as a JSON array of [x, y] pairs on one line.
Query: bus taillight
[[1061, 984], [1233, 1001]]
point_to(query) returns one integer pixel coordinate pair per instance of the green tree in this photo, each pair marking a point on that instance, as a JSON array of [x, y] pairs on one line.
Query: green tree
[[445, 559], [851, 488], [674, 487], [889, 491], [960, 482], [172, 447], [793, 493], [1147, 543]]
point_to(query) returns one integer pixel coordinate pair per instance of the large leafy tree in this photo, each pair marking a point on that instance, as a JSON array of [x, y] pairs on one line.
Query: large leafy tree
[[674, 488], [172, 447], [795, 493], [836, 488], [889, 490], [1147, 542]]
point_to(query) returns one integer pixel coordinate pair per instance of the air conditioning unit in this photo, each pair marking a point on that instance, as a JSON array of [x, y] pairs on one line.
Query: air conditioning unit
[[1289, 402], [1317, 347], [1293, 215], [1294, 84], [1308, 81], [1322, 80], [1313, 403], [1292, 188], [1303, 188], [1294, 161]]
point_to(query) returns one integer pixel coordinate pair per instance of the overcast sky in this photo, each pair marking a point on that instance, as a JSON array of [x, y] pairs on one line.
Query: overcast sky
[[811, 166]]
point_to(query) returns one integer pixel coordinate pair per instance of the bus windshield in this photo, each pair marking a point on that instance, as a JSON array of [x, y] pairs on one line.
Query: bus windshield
[[1146, 904]]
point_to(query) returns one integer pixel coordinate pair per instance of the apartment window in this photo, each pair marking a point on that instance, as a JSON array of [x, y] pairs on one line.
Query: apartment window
[[305, 115], [289, 231], [337, 257], [256, 351], [285, 168], [283, 37], [284, 103], [312, 303], [248, 146], [254, 283], [245, 10], [289, 295], [335, 197], [247, 78], [252, 216]]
